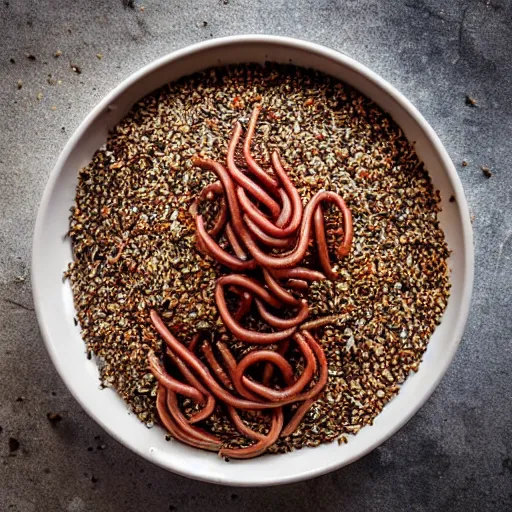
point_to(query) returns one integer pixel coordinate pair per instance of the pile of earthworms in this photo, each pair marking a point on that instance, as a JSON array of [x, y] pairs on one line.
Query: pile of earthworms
[[266, 232]]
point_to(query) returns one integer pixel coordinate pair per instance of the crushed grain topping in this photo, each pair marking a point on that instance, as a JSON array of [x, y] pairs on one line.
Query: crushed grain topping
[[133, 238]]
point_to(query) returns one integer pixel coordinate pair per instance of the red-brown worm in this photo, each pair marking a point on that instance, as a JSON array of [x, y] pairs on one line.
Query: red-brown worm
[[209, 192], [289, 391], [261, 236], [258, 356], [298, 253], [262, 221], [298, 273], [264, 178], [184, 425], [251, 285], [208, 409], [242, 333], [321, 244], [242, 427], [283, 323], [195, 340], [235, 244], [313, 393], [268, 371], [297, 417], [223, 395], [231, 364], [297, 284], [244, 181], [286, 210], [282, 294], [260, 446], [219, 254], [318, 322], [170, 382], [170, 424], [246, 299], [234, 210], [214, 364]]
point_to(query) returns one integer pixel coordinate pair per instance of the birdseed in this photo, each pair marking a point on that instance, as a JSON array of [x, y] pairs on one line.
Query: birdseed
[[133, 238]]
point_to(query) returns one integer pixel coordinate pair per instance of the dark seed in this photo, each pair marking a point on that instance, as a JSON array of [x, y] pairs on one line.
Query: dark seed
[[470, 101], [486, 171], [54, 417], [14, 445]]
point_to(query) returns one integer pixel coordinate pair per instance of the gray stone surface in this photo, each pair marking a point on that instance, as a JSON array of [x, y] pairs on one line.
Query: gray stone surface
[[456, 454]]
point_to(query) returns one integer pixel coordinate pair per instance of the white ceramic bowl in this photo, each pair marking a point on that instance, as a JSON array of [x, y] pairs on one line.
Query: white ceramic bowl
[[52, 253]]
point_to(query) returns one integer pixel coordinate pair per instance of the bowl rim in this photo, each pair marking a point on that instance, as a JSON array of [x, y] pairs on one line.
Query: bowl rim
[[340, 58]]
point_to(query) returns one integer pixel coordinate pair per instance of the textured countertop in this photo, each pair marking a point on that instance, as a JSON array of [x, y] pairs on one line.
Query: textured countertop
[[456, 453]]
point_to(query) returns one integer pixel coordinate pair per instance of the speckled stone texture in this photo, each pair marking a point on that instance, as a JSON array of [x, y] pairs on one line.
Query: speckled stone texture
[[456, 453]]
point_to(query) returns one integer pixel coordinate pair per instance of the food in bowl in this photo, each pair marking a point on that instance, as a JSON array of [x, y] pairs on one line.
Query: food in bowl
[[143, 268]]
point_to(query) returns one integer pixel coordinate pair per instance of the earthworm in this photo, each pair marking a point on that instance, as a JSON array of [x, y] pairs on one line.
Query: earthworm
[[184, 425], [277, 243], [242, 427], [322, 363], [258, 356], [297, 417], [289, 391], [297, 284], [208, 409], [223, 395], [235, 244], [282, 294], [298, 253], [214, 364], [319, 322], [240, 381], [298, 273], [249, 284], [195, 340], [231, 364], [209, 192], [262, 221], [244, 307], [286, 210], [264, 178], [170, 382], [310, 396], [268, 371], [283, 323], [236, 218], [260, 446], [241, 333], [244, 181], [219, 254], [321, 244], [170, 424], [230, 194]]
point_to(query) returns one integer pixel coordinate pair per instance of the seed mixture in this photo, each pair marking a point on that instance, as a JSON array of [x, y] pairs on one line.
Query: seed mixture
[[134, 238]]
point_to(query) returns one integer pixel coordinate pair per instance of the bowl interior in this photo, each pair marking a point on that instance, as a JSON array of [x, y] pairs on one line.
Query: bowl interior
[[52, 253]]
